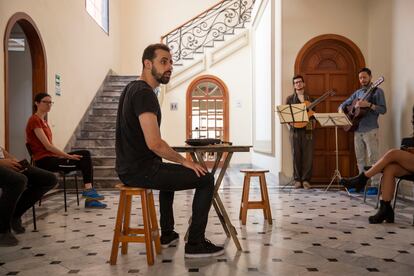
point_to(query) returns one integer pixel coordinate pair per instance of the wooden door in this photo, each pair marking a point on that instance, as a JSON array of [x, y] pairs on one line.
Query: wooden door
[[331, 62]]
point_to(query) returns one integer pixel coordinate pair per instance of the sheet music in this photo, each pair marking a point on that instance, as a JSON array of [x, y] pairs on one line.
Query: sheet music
[[332, 119], [290, 113]]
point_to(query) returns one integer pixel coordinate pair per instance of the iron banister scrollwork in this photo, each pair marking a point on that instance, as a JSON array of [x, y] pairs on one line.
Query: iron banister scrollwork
[[211, 25]]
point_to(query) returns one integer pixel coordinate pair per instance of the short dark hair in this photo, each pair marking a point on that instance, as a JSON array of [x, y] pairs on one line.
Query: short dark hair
[[297, 77], [149, 52], [366, 70], [38, 98]]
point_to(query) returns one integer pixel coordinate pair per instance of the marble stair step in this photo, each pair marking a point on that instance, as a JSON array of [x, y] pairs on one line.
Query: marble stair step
[[97, 134]]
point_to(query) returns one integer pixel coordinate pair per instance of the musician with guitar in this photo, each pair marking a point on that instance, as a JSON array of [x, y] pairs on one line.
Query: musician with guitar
[[301, 138], [363, 108]]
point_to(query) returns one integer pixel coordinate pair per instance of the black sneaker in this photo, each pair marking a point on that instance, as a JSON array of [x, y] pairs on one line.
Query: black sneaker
[[202, 250], [8, 239], [16, 225], [169, 239]]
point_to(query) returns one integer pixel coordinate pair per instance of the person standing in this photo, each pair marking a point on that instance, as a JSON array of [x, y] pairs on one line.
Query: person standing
[[366, 135], [140, 149], [301, 139]]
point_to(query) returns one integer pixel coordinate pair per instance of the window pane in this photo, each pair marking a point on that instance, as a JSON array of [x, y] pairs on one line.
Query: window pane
[[99, 10]]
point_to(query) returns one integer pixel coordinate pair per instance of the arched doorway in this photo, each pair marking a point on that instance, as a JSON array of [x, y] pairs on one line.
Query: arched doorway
[[207, 109], [331, 62], [21, 26]]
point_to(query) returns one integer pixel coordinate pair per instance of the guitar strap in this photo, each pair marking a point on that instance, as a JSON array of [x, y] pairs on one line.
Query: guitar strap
[[370, 98]]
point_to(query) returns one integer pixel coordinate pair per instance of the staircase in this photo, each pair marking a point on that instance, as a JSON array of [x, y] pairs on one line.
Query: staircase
[[204, 31], [97, 133]]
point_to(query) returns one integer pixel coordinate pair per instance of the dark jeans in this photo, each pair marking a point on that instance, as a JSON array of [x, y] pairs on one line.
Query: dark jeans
[[302, 151], [20, 190], [52, 163], [173, 177]]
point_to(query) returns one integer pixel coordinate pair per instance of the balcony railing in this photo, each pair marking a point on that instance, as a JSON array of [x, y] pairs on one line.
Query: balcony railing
[[211, 25]]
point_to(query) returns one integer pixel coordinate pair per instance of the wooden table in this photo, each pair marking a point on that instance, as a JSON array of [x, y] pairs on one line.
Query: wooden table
[[197, 153]]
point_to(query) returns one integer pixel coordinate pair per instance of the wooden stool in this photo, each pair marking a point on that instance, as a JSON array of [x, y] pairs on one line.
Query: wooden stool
[[263, 204], [147, 235]]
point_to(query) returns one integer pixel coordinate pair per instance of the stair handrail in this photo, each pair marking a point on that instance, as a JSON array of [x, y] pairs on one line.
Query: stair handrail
[[210, 25]]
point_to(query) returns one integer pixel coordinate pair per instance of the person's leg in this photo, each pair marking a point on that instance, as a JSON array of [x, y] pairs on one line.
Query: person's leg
[[385, 211], [173, 177], [295, 141], [12, 184], [166, 199], [85, 166], [39, 182], [403, 158], [371, 142], [360, 150], [388, 180], [307, 158]]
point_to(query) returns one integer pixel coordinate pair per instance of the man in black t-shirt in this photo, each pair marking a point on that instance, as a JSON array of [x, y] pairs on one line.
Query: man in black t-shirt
[[140, 149]]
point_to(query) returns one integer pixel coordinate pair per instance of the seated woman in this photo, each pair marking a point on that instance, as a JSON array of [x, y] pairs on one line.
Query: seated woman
[[395, 163], [49, 157]]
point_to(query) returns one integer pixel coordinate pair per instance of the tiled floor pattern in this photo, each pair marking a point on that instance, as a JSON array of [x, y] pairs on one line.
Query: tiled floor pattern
[[313, 233]]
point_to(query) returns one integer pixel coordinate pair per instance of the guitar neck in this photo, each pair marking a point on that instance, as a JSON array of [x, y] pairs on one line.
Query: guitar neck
[[318, 100]]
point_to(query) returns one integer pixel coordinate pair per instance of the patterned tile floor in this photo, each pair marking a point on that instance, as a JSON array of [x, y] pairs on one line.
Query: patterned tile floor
[[313, 233]]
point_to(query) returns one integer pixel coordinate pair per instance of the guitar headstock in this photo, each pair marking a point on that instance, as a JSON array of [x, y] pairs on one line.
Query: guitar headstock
[[378, 82]]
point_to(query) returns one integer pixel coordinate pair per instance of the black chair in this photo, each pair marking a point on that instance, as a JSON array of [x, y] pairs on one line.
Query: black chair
[[65, 171]]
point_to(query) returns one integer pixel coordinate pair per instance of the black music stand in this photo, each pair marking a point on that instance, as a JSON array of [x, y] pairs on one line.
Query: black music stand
[[333, 120]]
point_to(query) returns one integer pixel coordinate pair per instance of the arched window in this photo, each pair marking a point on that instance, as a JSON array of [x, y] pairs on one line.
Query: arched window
[[207, 108]]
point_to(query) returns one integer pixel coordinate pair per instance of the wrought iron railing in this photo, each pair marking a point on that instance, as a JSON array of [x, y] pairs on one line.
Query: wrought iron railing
[[206, 28]]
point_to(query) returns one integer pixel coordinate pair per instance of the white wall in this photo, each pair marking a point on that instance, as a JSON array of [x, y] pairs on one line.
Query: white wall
[[145, 21], [76, 48], [402, 56], [235, 72]]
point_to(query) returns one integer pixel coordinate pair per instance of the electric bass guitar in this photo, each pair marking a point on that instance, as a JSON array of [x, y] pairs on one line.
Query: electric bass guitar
[[310, 105], [355, 114]]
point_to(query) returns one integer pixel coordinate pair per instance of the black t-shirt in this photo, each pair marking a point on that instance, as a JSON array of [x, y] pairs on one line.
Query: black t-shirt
[[133, 157]]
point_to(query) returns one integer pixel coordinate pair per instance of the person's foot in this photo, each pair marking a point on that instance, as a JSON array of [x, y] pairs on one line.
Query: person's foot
[[8, 239], [298, 185], [358, 182], [16, 225], [92, 194], [385, 212], [306, 185], [202, 249], [94, 204], [168, 239]]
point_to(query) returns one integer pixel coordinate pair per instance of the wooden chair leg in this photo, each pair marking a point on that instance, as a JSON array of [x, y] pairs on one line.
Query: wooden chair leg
[[155, 234], [147, 230], [127, 219], [265, 194], [245, 201], [263, 198], [397, 186], [243, 195], [118, 229]]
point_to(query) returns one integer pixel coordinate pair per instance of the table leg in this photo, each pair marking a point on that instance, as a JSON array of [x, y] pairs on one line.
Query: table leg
[[221, 218]]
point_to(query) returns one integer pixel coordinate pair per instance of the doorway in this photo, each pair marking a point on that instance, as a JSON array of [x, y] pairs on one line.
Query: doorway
[[331, 62], [25, 76]]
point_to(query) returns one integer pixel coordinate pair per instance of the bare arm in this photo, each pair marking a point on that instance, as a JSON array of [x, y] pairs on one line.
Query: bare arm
[[152, 135], [40, 134]]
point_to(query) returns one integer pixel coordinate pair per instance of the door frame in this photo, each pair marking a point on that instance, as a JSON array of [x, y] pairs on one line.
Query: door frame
[[38, 57], [350, 46]]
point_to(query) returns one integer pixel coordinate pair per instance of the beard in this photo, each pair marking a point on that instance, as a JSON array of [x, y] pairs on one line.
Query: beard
[[163, 78]]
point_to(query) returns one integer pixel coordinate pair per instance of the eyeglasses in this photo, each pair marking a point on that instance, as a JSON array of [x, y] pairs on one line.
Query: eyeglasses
[[47, 102], [296, 82]]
